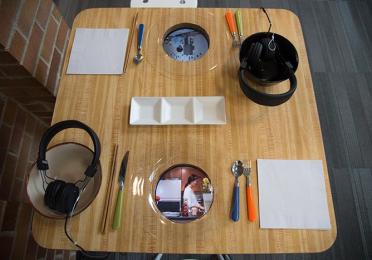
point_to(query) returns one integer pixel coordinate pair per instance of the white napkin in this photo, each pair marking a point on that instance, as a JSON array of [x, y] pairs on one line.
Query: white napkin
[[98, 51], [292, 194]]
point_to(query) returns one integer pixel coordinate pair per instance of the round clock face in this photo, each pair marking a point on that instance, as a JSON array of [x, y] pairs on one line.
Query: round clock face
[[186, 42]]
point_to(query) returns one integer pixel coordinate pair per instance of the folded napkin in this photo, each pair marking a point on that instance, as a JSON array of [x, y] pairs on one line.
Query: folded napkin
[[292, 194], [98, 51]]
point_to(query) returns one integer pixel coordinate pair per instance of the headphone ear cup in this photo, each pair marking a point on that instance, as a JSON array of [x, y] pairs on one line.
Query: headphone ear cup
[[254, 54], [61, 196], [68, 197], [51, 193]]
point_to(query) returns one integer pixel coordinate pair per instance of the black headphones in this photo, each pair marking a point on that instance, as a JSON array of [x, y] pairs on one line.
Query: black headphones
[[59, 195], [267, 59]]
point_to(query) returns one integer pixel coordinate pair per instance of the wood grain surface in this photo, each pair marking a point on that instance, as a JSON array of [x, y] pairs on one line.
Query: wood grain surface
[[289, 131]]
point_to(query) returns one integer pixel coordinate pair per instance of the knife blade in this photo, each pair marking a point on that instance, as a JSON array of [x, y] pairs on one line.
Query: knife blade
[[119, 199]]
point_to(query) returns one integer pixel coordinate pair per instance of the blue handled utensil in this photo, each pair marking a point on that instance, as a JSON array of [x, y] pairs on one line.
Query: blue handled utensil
[[139, 57], [237, 170]]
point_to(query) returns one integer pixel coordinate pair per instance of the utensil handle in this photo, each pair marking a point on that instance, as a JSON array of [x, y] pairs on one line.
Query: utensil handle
[[230, 21], [239, 22], [118, 210], [235, 203], [250, 204], [141, 30]]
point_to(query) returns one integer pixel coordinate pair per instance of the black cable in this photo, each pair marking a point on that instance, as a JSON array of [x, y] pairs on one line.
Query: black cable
[[82, 250], [268, 18]]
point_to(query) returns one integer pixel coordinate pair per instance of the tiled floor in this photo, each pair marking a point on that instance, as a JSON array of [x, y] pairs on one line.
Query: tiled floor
[[20, 134]]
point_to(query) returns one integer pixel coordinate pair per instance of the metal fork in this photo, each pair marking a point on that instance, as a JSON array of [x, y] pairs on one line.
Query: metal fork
[[249, 192]]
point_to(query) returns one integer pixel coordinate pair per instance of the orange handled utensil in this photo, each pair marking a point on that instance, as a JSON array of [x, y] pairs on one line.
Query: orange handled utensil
[[232, 28], [249, 192]]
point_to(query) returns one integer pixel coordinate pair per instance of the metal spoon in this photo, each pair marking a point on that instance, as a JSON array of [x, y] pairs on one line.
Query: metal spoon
[[237, 170], [139, 57]]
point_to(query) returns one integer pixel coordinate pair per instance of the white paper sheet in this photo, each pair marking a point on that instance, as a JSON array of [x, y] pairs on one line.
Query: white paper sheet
[[98, 51], [292, 194]]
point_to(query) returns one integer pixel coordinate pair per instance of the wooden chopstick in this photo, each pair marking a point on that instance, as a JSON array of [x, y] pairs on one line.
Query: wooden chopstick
[[134, 21], [109, 191]]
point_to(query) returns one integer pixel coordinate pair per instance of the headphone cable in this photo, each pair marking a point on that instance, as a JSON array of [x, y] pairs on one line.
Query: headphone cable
[[268, 18], [82, 250]]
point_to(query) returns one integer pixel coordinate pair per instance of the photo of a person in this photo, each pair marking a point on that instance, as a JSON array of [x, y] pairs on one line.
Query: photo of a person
[[183, 193], [189, 196]]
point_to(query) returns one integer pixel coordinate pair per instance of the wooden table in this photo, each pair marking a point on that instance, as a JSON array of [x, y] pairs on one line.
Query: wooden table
[[289, 131]]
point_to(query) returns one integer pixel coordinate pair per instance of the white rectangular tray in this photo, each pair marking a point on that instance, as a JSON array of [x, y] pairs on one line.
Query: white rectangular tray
[[177, 111]]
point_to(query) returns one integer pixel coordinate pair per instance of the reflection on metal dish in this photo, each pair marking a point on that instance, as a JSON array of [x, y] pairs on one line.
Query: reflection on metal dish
[[186, 42], [183, 193]]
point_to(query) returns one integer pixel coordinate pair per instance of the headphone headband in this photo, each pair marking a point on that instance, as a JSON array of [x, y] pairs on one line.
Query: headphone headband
[[267, 99], [42, 163]]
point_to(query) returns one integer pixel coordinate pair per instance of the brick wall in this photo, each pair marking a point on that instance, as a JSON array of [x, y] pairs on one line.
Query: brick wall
[[20, 133], [33, 39]]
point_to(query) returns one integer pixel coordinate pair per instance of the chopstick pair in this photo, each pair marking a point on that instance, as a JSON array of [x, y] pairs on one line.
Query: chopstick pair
[[109, 191], [237, 40], [134, 21]]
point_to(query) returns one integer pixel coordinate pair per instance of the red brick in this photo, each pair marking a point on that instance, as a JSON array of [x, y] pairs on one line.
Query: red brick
[[17, 46], [2, 211], [21, 169], [6, 244], [7, 58], [8, 11], [2, 106], [14, 71], [43, 114], [32, 246], [53, 73], [49, 99], [10, 112], [18, 131], [30, 125], [26, 17], [10, 216], [2, 156], [7, 179], [47, 119], [66, 255], [43, 12], [49, 40], [19, 82], [25, 91], [33, 49], [50, 254], [39, 131], [56, 13], [5, 133], [62, 34], [41, 252], [22, 232], [17, 191], [37, 107], [25, 198], [41, 72]]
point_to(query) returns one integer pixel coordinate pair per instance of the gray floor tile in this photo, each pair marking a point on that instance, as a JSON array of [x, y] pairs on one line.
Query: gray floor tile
[[362, 191]]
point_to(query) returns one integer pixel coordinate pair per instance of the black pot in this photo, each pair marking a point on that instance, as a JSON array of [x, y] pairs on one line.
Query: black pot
[[268, 69]]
